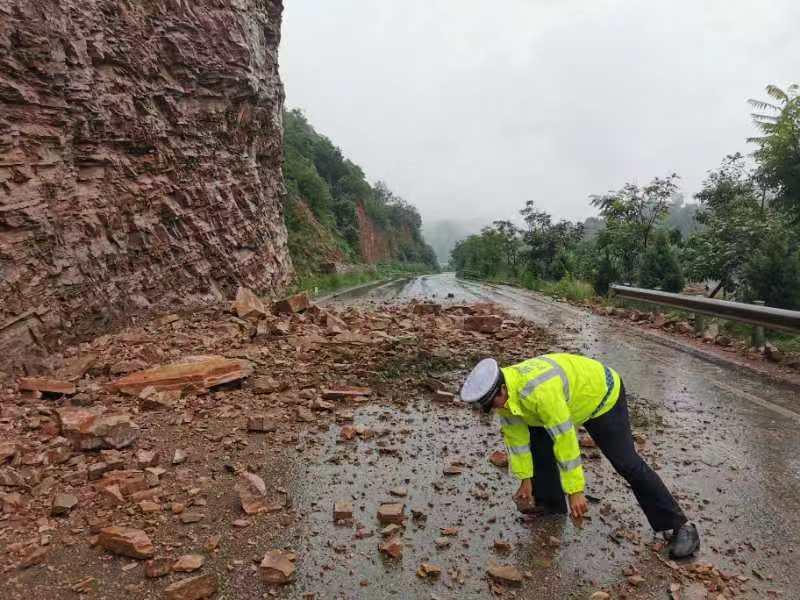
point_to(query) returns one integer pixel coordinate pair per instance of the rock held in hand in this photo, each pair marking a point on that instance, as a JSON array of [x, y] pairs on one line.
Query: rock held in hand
[[499, 458]]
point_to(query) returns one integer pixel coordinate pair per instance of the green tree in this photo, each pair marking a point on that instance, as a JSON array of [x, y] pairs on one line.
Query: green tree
[[778, 153], [733, 224], [660, 267], [631, 215], [773, 273], [606, 275]]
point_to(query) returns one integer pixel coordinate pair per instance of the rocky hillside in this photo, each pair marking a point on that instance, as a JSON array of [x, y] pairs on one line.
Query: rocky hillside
[[328, 193], [140, 160]]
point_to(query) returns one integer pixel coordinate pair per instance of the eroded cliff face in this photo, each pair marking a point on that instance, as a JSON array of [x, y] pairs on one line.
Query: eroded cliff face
[[374, 244], [140, 160]]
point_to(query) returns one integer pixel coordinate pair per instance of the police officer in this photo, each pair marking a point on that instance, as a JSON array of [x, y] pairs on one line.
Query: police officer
[[540, 403]]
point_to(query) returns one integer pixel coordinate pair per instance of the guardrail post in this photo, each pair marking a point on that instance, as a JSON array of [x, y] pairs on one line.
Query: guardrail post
[[758, 337], [699, 324]]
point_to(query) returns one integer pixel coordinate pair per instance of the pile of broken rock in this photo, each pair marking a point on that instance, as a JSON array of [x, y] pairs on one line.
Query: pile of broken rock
[[158, 437]]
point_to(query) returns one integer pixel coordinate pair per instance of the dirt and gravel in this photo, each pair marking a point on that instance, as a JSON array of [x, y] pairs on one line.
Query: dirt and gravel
[[235, 489]]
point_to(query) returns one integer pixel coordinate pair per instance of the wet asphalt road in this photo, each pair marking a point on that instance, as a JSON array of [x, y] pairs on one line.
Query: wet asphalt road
[[724, 440]]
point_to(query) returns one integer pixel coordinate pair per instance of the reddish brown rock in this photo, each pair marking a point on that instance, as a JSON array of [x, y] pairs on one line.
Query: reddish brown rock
[[126, 541], [11, 478], [8, 450], [12, 502], [304, 415], [499, 458], [115, 431], [342, 511], [179, 456], [33, 556], [429, 570], [187, 518], [260, 423], [252, 493], [199, 372], [345, 392], [393, 512], [347, 433], [192, 588], [63, 504], [44, 384], [506, 574], [427, 308], [453, 470], [293, 304], [128, 366], [277, 566], [392, 547], [152, 399], [147, 458], [483, 323], [90, 429], [76, 367], [188, 563], [138, 187], [248, 305], [158, 567], [112, 496]]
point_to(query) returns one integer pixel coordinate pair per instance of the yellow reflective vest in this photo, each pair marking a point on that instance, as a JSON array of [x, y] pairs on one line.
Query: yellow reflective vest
[[558, 392]]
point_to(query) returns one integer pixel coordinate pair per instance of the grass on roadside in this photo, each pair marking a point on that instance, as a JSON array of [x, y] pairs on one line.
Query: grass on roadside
[[317, 284], [568, 288]]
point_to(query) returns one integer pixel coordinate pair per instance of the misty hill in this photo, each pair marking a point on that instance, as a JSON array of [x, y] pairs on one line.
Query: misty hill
[[442, 235]]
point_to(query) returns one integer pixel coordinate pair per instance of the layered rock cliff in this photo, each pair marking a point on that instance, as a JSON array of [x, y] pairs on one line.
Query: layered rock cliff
[[140, 160]]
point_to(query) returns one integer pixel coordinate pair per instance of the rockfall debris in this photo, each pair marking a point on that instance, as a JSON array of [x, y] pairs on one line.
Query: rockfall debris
[[164, 482]]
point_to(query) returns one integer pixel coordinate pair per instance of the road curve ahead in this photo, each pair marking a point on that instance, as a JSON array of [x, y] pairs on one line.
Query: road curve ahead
[[725, 439]]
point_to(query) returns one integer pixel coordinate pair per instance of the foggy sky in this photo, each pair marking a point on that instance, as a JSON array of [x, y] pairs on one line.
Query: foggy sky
[[468, 108]]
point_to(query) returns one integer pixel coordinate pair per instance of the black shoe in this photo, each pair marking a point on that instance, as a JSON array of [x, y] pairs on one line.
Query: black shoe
[[685, 541]]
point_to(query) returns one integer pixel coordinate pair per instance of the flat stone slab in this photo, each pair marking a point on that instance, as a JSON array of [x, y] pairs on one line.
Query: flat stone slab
[[47, 385], [202, 372]]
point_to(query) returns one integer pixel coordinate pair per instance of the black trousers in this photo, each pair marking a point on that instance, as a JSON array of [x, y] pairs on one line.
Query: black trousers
[[612, 434]]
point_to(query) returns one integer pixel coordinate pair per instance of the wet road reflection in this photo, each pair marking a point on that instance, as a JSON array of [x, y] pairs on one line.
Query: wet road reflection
[[724, 440]]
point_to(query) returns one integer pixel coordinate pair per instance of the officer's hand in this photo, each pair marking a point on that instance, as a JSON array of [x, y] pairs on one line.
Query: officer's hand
[[577, 505], [524, 494]]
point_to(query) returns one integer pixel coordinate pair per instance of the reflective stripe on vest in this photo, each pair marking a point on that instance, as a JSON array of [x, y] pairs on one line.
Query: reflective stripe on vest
[[555, 371], [559, 429], [570, 464], [514, 420], [609, 388]]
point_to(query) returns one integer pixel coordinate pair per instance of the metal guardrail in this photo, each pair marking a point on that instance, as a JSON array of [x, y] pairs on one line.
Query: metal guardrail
[[763, 316]]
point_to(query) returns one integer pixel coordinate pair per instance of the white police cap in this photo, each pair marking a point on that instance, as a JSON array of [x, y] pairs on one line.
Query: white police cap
[[482, 383]]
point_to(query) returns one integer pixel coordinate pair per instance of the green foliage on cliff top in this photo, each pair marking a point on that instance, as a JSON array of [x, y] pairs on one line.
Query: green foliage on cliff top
[[320, 178]]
